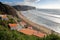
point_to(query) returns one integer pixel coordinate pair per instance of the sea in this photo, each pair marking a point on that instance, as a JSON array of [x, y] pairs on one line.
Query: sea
[[49, 18]]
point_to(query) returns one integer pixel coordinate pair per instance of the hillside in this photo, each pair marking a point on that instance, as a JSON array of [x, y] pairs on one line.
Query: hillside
[[7, 9], [23, 7], [6, 34]]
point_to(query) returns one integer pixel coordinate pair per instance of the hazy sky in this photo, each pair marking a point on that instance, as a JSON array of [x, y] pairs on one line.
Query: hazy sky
[[50, 4]]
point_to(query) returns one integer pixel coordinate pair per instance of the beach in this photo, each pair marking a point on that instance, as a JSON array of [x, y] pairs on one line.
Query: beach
[[39, 27]]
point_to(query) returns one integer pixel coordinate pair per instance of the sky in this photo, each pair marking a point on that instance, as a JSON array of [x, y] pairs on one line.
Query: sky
[[45, 4]]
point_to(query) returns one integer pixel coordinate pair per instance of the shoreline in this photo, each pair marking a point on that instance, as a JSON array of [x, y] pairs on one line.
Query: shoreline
[[41, 28]]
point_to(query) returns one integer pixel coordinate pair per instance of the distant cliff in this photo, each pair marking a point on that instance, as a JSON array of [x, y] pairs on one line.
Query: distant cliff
[[23, 7], [7, 9]]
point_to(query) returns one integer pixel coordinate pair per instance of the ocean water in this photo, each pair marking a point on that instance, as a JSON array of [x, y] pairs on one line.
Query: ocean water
[[49, 18]]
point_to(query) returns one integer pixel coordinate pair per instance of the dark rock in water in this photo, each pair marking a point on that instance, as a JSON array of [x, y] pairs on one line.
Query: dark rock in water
[[23, 7]]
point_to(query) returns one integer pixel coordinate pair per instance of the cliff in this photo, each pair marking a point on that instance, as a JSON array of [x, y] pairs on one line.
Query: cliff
[[7, 9], [23, 7]]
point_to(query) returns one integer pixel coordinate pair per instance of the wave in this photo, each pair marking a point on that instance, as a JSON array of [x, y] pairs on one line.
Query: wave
[[51, 17], [43, 13]]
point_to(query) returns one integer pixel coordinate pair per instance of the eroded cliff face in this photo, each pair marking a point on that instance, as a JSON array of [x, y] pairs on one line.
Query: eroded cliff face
[[7, 9]]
